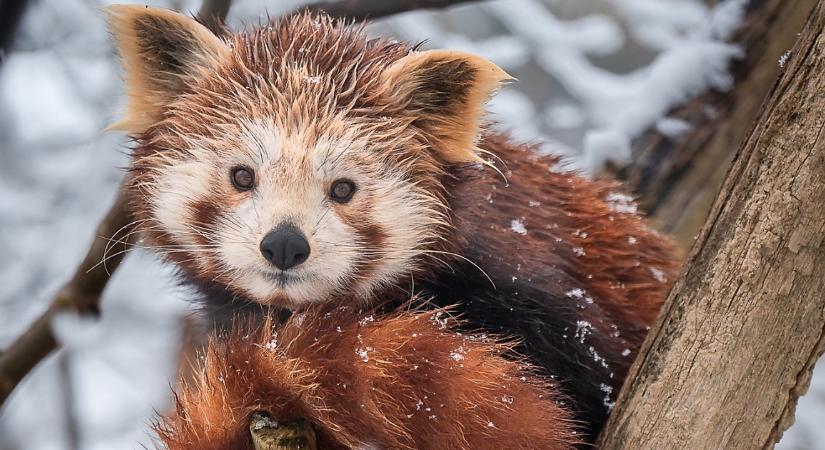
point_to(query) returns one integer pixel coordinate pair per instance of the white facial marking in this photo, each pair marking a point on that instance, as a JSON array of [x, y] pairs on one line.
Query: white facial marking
[[292, 185], [180, 184], [262, 140]]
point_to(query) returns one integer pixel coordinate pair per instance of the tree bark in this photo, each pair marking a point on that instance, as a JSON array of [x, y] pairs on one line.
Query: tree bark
[[269, 434], [741, 331], [677, 179]]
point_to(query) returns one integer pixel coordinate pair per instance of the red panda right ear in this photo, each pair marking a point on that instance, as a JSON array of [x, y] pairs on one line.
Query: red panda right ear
[[447, 91], [162, 53]]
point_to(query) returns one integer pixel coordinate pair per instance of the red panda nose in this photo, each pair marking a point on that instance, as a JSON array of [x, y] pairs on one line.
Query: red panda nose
[[285, 247]]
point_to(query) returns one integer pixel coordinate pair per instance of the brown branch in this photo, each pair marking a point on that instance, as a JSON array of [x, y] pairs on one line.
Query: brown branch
[[213, 13], [742, 329], [269, 434], [375, 9], [11, 13], [677, 179], [81, 294]]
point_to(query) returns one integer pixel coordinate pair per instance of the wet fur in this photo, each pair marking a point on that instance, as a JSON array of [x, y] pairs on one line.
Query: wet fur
[[578, 286], [404, 381]]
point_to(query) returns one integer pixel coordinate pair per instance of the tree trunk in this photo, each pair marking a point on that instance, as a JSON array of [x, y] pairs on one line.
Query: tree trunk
[[741, 331], [677, 179]]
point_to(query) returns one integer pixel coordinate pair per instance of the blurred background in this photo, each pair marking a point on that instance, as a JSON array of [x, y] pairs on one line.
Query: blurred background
[[593, 75]]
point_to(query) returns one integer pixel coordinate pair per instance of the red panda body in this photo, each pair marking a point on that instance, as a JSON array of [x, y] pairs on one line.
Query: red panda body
[[578, 276], [404, 381], [302, 163]]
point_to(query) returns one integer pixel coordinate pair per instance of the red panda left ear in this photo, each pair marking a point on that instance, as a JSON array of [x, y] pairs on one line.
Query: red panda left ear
[[446, 91], [163, 54]]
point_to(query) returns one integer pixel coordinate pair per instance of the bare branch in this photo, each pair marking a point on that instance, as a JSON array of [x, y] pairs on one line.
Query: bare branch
[[11, 12], [375, 9], [213, 13], [270, 434], [81, 294], [678, 178], [740, 332]]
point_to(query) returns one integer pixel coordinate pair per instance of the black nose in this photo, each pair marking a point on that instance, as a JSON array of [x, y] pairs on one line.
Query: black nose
[[285, 247]]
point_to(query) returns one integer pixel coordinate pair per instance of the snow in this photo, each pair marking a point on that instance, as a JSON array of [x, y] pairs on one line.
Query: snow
[[784, 58], [363, 353], [583, 328], [608, 390], [621, 203], [592, 76], [672, 127], [272, 345], [517, 226], [658, 275]]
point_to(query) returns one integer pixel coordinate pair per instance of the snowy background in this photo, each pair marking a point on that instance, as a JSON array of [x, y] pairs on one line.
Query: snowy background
[[593, 75]]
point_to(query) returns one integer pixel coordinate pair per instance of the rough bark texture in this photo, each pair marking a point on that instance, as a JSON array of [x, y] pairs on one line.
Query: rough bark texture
[[677, 180], [742, 329]]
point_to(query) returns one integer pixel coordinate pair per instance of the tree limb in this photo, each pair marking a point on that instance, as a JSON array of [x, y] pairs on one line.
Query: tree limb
[[375, 9], [81, 294], [739, 334], [270, 434], [677, 179], [213, 13], [11, 13]]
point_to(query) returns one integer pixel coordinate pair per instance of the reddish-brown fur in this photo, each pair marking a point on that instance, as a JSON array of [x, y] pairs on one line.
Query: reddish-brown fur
[[579, 288], [405, 381], [562, 212]]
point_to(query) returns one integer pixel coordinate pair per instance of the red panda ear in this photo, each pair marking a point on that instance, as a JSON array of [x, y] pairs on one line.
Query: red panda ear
[[447, 92], [162, 53]]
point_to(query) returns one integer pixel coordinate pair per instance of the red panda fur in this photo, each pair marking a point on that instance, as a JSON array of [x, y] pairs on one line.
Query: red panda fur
[[404, 381], [562, 263]]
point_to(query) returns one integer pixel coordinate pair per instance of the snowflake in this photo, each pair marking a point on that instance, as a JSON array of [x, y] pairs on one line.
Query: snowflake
[[518, 226]]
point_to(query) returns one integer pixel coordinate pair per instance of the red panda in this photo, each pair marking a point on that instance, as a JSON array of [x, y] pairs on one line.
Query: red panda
[[301, 162], [405, 381]]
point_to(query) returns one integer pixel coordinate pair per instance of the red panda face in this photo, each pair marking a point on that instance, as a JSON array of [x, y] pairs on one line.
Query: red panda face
[[283, 216], [297, 162]]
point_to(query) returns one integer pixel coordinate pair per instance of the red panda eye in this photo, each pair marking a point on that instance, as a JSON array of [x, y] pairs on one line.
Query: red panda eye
[[342, 190], [243, 178]]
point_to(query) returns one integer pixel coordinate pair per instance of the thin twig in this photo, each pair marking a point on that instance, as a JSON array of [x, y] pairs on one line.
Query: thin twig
[[11, 13], [213, 13], [375, 9]]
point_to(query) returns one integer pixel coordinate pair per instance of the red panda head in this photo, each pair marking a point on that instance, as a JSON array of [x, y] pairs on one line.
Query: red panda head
[[299, 160]]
